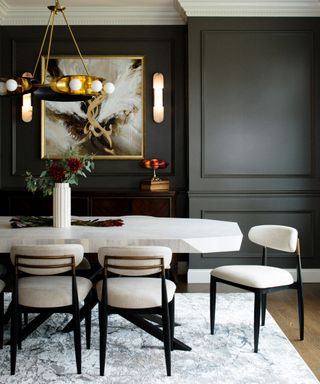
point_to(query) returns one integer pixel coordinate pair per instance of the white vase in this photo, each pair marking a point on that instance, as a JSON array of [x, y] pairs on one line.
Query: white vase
[[61, 205]]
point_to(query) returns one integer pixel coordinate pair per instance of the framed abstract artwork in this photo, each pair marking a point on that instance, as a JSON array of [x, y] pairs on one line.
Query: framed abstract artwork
[[120, 134]]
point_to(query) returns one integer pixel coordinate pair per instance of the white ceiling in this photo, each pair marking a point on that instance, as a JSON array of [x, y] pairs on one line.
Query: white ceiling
[[143, 12]]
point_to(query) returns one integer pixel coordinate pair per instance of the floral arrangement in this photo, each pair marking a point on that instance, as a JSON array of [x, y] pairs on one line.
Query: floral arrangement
[[154, 164], [65, 170]]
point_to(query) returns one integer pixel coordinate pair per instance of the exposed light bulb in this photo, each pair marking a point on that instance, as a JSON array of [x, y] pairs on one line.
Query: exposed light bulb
[[11, 85], [75, 84], [109, 88], [96, 86]]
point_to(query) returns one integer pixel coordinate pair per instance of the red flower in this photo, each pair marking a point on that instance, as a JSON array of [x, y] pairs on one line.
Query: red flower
[[57, 172], [74, 165]]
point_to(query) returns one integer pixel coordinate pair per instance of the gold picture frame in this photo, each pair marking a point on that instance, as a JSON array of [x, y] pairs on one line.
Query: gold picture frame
[[122, 113]]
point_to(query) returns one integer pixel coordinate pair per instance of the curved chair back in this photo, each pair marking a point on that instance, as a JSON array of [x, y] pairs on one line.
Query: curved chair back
[[49, 259], [277, 237], [146, 260]]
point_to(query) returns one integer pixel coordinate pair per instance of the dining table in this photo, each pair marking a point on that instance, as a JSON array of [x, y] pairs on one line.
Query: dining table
[[181, 235]]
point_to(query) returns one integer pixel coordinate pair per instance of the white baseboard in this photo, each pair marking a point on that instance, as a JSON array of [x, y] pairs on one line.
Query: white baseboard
[[203, 275]]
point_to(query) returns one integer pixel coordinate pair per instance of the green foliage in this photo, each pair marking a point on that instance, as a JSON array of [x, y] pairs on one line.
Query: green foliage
[[65, 170]]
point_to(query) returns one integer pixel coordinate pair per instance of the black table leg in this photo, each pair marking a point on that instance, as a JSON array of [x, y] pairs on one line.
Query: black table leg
[[34, 324], [139, 321], [153, 330]]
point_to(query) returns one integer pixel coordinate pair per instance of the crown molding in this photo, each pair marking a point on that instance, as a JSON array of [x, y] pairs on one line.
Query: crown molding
[[3, 10], [155, 14], [180, 10], [253, 8], [102, 15]]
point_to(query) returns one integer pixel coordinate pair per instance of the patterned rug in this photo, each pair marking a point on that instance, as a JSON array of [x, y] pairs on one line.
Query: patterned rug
[[47, 356]]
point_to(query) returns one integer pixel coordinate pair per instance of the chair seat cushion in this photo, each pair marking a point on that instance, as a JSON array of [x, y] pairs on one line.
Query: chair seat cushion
[[255, 276], [2, 285], [135, 292], [51, 291]]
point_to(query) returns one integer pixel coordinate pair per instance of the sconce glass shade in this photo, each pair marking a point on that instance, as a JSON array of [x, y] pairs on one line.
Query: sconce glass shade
[[158, 109], [26, 109]]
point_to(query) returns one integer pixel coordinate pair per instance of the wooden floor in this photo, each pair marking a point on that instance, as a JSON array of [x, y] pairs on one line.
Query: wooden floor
[[283, 308]]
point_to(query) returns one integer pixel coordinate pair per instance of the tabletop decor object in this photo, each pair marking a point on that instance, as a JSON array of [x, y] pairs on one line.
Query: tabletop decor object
[[44, 221], [56, 180], [155, 183]]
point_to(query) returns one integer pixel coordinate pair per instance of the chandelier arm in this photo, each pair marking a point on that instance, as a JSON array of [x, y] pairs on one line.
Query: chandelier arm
[[49, 48], [75, 42], [42, 44]]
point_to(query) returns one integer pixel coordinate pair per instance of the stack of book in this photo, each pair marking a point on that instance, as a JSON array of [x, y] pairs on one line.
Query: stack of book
[[151, 185]]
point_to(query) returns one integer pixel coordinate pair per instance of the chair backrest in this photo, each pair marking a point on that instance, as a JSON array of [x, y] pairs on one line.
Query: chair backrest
[[277, 237], [46, 259], [142, 260]]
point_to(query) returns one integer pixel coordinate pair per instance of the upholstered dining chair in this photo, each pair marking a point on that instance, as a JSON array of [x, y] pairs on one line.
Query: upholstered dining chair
[[2, 285], [45, 281], [137, 286], [263, 279]]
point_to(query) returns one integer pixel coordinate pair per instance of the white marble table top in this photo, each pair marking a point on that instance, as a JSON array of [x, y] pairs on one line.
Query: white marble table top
[[181, 235]]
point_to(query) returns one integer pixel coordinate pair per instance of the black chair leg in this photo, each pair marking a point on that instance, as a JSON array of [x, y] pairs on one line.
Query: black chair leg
[[256, 326], [263, 308], [1, 319], [213, 290], [19, 314], [103, 324], [14, 337], [166, 337], [77, 337], [301, 310], [172, 324], [87, 303]]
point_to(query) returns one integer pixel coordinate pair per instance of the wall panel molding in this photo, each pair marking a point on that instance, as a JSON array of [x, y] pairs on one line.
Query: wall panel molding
[[255, 123]]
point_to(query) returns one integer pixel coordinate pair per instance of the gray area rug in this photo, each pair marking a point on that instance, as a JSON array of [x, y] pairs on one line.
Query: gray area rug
[[47, 356]]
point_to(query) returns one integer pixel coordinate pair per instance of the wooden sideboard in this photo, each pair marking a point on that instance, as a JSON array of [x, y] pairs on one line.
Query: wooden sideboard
[[92, 203]]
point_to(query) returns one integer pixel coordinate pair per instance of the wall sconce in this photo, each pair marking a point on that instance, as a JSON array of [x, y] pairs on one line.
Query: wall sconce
[[158, 109], [26, 109]]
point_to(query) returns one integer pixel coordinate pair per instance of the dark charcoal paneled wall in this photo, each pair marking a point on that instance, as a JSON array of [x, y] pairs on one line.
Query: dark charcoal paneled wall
[[254, 121], [164, 49]]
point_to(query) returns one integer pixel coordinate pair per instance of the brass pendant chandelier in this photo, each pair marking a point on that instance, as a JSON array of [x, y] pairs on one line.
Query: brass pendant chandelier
[[63, 88]]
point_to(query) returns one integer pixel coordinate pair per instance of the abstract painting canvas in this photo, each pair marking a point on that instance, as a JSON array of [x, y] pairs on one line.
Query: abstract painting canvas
[[120, 115]]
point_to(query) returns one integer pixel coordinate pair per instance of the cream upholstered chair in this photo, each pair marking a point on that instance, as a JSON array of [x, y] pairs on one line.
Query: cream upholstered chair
[[2, 285], [262, 279], [133, 291], [42, 289]]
